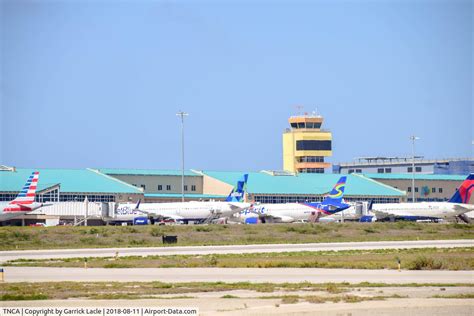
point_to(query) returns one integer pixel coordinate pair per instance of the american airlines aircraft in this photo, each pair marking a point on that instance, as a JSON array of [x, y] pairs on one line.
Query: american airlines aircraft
[[24, 203], [196, 210], [291, 212], [456, 206]]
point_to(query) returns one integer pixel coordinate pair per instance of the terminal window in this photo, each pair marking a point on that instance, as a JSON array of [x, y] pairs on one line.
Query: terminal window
[[160, 187], [440, 190], [313, 145], [416, 189], [380, 170], [168, 187], [310, 159], [185, 187], [409, 189], [410, 169], [193, 188], [417, 169], [433, 190]]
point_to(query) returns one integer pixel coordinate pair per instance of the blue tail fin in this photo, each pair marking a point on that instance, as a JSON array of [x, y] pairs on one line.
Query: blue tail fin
[[238, 192], [337, 192], [463, 193]]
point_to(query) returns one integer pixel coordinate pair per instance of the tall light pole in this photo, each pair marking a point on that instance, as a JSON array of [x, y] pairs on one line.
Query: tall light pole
[[413, 138], [182, 115]]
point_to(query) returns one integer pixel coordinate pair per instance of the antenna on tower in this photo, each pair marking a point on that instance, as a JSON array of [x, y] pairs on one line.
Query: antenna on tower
[[299, 109]]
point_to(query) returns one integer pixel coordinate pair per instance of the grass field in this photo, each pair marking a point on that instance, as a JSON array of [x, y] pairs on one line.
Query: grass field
[[412, 259], [147, 236], [140, 290]]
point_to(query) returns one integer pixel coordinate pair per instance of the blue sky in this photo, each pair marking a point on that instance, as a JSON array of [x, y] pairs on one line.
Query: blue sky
[[98, 83]]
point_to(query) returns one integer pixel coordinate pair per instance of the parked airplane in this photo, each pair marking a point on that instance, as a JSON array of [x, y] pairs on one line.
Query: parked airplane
[[197, 210], [311, 211], [456, 206], [24, 203]]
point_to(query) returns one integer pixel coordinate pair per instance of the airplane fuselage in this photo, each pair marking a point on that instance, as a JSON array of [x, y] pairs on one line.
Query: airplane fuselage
[[185, 210], [289, 212], [423, 209]]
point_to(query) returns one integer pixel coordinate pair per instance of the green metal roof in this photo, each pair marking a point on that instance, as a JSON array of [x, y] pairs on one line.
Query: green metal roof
[[70, 180], [178, 195], [147, 172], [408, 176], [306, 183]]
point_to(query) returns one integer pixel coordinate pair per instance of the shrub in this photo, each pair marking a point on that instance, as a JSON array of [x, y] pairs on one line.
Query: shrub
[[21, 297], [425, 263], [137, 241], [212, 261], [290, 299], [161, 285], [88, 240], [203, 229], [116, 265], [229, 296], [333, 288], [156, 232], [93, 231], [21, 236], [370, 230]]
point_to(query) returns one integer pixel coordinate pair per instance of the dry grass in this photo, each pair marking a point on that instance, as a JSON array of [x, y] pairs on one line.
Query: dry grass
[[413, 259], [140, 290], [148, 236]]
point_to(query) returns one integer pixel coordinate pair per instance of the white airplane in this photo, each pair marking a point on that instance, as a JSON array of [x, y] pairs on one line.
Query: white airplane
[[456, 206], [195, 210], [24, 203], [292, 212]]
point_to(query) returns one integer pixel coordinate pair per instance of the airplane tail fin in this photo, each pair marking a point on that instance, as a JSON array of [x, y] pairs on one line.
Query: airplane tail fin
[[238, 192], [28, 192], [337, 192], [463, 193]]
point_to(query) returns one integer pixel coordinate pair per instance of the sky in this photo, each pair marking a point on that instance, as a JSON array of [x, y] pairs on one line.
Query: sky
[[99, 83]]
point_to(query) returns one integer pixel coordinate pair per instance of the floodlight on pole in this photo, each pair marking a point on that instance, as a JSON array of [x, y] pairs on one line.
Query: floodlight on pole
[[413, 138], [182, 115]]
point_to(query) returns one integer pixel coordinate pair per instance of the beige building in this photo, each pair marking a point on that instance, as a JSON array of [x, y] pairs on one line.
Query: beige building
[[306, 145], [428, 187], [165, 185]]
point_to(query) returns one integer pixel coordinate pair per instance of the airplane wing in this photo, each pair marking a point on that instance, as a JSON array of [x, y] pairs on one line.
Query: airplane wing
[[162, 216], [238, 206], [275, 218], [382, 214], [10, 215], [461, 209]]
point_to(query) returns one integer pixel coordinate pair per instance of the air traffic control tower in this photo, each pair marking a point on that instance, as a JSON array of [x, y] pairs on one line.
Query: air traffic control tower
[[305, 145]]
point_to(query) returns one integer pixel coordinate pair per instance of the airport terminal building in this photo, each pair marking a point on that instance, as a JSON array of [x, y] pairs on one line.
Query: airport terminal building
[[436, 180], [97, 192], [381, 165]]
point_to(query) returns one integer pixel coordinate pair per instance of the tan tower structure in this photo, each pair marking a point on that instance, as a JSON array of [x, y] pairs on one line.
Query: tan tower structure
[[305, 145]]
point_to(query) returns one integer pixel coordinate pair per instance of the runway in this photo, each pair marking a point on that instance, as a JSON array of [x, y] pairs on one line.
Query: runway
[[273, 275], [203, 250]]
